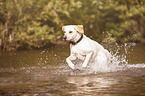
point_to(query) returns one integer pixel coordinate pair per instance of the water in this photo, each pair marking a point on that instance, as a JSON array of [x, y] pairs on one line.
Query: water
[[44, 72]]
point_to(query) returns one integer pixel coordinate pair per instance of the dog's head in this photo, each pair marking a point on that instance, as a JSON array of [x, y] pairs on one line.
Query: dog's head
[[71, 31]]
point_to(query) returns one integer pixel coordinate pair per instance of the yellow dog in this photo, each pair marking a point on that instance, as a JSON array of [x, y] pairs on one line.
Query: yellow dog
[[84, 48]]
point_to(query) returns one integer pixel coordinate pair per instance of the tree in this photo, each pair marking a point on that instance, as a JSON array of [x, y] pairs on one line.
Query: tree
[[31, 23], [36, 23]]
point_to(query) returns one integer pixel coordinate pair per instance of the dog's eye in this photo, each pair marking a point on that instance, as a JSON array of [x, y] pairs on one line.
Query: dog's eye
[[70, 31]]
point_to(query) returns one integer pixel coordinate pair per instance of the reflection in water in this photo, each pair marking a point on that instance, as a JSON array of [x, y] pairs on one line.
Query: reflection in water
[[90, 84]]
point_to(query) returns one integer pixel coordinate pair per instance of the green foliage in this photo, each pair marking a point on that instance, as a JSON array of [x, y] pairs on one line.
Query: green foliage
[[36, 23], [31, 23], [35, 36]]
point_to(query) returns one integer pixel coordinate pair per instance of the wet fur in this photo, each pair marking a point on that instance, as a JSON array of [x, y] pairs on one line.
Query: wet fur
[[86, 50]]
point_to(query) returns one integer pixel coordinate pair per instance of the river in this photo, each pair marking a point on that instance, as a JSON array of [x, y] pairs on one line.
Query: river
[[44, 72]]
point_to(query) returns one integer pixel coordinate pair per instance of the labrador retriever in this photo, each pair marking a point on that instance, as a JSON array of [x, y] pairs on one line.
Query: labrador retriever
[[84, 48]]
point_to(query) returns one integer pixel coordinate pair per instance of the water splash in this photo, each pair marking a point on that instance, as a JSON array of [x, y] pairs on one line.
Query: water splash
[[136, 65], [119, 57], [119, 62], [48, 66]]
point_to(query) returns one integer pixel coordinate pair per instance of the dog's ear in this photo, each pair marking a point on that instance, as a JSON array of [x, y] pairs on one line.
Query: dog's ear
[[63, 28], [79, 28]]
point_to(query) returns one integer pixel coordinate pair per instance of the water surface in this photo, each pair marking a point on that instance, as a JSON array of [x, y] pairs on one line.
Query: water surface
[[44, 72]]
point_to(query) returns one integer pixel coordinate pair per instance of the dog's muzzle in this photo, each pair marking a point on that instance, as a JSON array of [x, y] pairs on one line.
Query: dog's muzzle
[[73, 42]]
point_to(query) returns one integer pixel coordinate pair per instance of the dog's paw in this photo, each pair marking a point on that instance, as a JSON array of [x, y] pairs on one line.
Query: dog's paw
[[76, 70], [84, 66], [73, 68]]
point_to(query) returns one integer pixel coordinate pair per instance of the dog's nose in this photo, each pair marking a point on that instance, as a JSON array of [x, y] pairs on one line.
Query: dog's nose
[[64, 37]]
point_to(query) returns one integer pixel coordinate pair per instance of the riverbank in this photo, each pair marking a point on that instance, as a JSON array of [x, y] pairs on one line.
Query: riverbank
[[61, 42]]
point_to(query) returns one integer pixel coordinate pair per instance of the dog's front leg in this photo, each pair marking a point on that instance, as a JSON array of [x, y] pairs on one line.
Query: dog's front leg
[[88, 56], [69, 61]]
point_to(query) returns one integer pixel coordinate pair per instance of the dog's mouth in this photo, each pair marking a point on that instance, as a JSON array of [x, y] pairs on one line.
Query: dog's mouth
[[66, 39], [72, 40]]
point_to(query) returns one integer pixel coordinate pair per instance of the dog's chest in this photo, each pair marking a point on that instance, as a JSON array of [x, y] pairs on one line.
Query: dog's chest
[[79, 52]]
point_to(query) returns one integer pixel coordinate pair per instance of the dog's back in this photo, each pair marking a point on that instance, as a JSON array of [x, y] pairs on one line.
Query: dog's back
[[96, 48]]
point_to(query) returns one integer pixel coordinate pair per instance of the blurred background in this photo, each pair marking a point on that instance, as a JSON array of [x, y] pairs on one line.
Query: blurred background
[[37, 23]]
